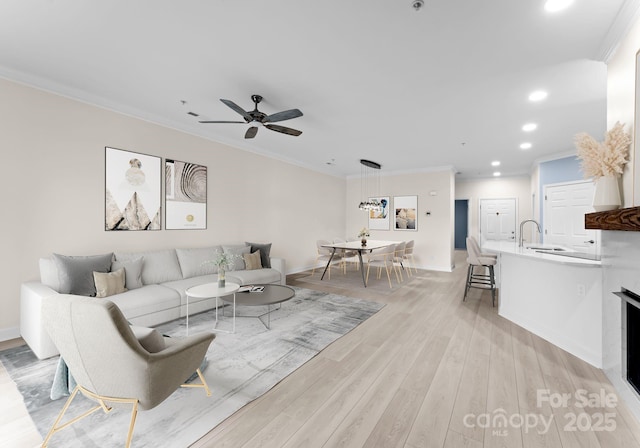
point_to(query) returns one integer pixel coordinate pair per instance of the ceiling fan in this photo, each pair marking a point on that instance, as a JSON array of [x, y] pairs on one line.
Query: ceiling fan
[[256, 118]]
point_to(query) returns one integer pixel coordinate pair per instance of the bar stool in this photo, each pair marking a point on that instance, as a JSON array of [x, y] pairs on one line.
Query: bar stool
[[480, 281]]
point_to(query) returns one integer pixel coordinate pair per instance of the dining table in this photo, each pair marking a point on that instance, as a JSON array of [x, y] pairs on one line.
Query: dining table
[[358, 247]]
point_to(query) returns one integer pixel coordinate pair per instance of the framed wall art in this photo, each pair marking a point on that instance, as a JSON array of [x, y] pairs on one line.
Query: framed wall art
[[132, 190], [406, 212], [379, 219], [186, 195]]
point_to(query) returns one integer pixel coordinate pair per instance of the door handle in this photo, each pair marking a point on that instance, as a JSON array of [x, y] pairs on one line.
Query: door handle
[[590, 242]]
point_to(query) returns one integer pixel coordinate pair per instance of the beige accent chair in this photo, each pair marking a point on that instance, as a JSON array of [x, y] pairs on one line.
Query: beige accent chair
[[383, 258], [108, 362], [324, 254], [477, 259]]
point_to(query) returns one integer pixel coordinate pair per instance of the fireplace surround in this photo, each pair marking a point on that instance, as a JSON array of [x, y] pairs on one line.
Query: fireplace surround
[[630, 338], [621, 280]]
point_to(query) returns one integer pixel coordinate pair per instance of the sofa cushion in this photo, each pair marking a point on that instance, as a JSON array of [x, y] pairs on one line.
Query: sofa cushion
[[146, 300], [193, 262], [159, 265], [109, 283], [75, 273], [265, 251], [238, 251], [252, 261], [256, 276], [132, 272], [181, 286]]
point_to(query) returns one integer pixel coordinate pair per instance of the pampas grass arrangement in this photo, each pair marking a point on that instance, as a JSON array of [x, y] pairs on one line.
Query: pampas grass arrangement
[[606, 158]]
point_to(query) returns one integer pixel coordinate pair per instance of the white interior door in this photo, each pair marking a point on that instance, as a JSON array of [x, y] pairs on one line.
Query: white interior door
[[564, 208], [497, 219]]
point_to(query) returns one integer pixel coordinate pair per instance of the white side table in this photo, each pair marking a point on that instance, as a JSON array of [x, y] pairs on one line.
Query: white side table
[[209, 290]]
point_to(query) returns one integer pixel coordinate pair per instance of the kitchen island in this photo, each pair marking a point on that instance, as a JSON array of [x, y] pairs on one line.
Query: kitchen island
[[557, 297]]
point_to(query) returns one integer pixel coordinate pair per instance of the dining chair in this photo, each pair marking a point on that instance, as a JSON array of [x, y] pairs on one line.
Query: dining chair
[[398, 258], [383, 258], [347, 255], [324, 254], [408, 256]]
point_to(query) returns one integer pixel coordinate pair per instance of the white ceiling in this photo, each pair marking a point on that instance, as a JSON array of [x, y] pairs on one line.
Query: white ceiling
[[374, 79]]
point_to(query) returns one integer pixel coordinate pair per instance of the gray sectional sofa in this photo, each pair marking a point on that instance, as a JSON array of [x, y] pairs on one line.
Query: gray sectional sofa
[[156, 283]]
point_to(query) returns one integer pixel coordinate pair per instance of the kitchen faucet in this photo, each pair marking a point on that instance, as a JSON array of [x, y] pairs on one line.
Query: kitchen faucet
[[522, 225]]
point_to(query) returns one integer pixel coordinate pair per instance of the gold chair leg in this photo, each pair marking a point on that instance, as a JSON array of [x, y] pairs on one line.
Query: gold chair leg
[[101, 405], [386, 268], [203, 385], [132, 423]]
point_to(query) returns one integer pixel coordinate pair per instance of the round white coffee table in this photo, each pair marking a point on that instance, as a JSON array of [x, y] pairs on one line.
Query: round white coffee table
[[209, 290]]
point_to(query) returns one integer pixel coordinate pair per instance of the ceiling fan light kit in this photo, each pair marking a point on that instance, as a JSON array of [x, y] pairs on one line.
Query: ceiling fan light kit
[[256, 118]]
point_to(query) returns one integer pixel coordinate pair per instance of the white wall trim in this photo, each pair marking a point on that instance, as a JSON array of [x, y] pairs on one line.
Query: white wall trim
[[558, 156], [624, 20]]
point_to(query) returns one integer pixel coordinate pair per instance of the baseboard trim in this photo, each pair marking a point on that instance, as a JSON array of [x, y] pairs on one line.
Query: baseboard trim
[[7, 334]]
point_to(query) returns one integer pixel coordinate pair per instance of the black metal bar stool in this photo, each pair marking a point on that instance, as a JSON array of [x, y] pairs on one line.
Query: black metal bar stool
[[480, 281]]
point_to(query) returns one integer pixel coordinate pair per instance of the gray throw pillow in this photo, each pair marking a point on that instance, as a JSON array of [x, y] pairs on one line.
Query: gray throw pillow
[[76, 273], [132, 272], [265, 250], [238, 251]]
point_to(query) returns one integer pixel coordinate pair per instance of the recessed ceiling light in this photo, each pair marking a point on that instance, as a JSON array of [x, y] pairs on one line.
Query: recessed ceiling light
[[495, 163], [557, 5], [525, 145], [529, 127], [538, 95], [496, 174]]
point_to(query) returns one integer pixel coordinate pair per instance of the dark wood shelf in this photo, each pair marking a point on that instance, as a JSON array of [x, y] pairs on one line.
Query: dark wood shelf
[[627, 219]]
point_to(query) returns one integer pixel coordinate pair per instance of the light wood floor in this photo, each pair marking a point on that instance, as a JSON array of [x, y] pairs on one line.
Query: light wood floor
[[417, 374]]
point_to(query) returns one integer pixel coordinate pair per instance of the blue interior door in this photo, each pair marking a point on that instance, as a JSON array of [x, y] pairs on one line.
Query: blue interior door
[[461, 223]]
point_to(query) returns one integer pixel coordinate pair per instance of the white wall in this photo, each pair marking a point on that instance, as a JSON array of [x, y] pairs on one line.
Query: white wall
[[53, 191], [434, 237], [621, 87], [496, 188]]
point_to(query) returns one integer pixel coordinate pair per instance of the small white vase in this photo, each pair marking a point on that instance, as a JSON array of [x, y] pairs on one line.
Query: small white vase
[[607, 194]]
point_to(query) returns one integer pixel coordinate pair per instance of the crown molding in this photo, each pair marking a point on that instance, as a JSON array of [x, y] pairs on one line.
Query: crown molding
[[626, 17]]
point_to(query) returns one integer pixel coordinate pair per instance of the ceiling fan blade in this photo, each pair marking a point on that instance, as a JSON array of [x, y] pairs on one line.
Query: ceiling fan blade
[[238, 109], [241, 122], [284, 115], [251, 132], [282, 129]]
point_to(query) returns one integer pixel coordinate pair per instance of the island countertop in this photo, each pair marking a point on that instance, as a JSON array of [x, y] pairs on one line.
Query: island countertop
[[556, 297], [512, 248]]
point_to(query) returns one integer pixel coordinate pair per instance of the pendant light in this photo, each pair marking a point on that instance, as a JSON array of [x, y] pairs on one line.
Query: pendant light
[[369, 180]]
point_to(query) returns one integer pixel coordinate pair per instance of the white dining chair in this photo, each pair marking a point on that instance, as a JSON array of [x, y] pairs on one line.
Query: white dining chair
[[347, 255], [324, 254], [398, 259], [382, 258], [408, 256]]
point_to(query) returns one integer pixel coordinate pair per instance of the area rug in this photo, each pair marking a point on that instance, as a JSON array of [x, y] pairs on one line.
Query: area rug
[[241, 367]]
